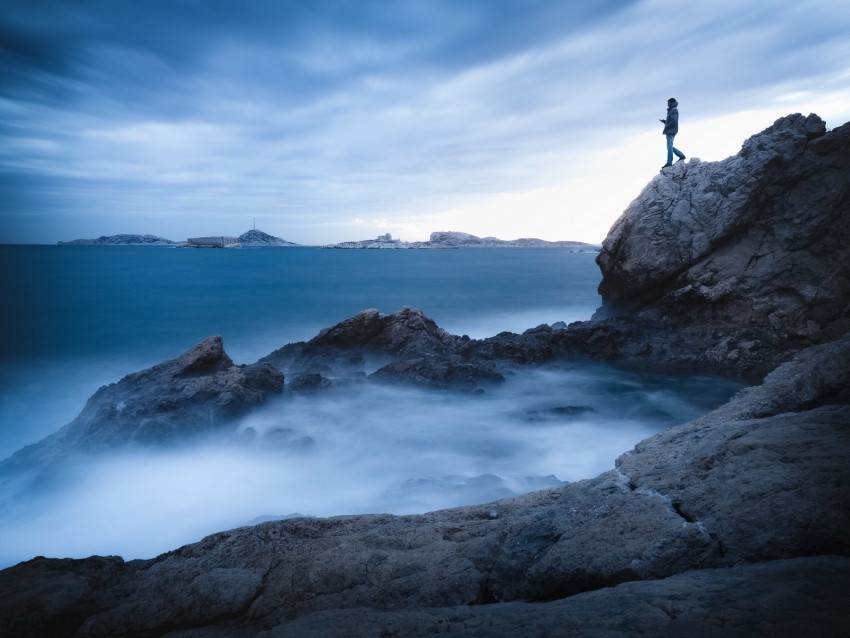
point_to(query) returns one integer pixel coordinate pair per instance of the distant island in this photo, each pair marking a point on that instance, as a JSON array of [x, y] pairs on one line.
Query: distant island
[[121, 240], [453, 239], [251, 238], [257, 238]]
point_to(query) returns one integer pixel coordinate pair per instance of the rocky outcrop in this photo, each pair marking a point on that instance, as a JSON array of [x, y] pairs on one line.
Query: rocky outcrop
[[196, 394], [740, 491], [752, 253], [405, 347]]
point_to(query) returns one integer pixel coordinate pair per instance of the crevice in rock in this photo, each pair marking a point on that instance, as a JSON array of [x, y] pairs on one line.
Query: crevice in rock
[[677, 507]]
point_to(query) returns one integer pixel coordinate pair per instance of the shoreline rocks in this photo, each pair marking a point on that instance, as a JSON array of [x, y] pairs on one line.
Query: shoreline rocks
[[193, 395], [760, 480]]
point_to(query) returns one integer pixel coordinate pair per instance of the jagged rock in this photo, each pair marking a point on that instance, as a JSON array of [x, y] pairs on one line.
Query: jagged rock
[[405, 347], [750, 482], [758, 242], [197, 393]]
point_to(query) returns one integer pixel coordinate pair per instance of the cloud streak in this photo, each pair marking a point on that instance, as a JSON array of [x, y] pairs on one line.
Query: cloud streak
[[177, 118]]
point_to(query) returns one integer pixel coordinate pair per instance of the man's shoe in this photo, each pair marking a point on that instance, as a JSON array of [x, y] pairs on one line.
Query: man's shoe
[[665, 166], [680, 159]]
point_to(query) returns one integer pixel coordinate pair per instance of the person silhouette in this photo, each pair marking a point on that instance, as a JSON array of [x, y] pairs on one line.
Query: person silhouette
[[671, 127]]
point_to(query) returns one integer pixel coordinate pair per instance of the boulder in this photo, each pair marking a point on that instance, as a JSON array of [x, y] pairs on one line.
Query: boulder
[[198, 393], [405, 347]]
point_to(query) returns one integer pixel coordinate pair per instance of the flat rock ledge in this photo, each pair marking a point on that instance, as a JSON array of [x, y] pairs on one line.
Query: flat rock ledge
[[737, 523]]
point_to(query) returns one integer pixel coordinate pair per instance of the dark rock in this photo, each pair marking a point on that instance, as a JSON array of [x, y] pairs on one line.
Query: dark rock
[[405, 347], [200, 392], [439, 372], [782, 599], [307, 381], [748, 483]]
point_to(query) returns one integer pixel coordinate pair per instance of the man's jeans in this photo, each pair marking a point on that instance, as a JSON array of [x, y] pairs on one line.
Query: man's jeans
[[671, 149]]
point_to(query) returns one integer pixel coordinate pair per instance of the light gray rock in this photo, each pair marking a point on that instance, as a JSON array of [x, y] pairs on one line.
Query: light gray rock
[[758, 243]]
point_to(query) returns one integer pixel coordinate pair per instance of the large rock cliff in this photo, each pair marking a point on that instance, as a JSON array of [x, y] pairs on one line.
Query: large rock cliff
[[752, 249]]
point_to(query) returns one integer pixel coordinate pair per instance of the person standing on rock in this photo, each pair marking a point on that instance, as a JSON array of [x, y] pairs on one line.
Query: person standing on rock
[[671, 127]]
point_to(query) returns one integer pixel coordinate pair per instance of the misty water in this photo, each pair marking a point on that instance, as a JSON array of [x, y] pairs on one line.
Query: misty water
[[76, 318]]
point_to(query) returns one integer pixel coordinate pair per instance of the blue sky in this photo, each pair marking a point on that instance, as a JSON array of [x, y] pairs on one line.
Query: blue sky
[[331, 121]]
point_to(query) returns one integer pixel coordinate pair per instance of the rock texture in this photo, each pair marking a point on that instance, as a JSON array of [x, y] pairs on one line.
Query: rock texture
[[753, 251], [759, 481], [197, 393], [405, 347], [722, 603]]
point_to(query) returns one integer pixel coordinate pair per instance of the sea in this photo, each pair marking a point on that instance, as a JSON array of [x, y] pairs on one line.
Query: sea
[[77, 317]]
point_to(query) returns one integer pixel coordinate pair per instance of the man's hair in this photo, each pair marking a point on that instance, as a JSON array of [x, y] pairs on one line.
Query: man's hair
[[671, 100]]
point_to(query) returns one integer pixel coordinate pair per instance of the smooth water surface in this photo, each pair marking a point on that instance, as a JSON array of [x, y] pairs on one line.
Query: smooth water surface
[[78, 317]]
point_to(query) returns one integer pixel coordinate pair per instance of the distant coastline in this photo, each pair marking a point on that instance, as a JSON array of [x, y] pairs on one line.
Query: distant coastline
[[255, 238], [121, 240], [454, 239]]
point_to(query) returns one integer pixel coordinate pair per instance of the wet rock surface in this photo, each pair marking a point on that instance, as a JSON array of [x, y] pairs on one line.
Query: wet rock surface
[[200, 392], [760, 480], [404, 347]]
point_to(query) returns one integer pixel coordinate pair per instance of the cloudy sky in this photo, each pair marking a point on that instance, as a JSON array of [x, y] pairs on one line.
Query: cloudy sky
[[337, 120]]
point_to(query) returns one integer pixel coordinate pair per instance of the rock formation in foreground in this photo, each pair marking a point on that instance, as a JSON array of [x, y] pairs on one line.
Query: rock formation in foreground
[[751, 492], [735, 524], [196, 394]]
